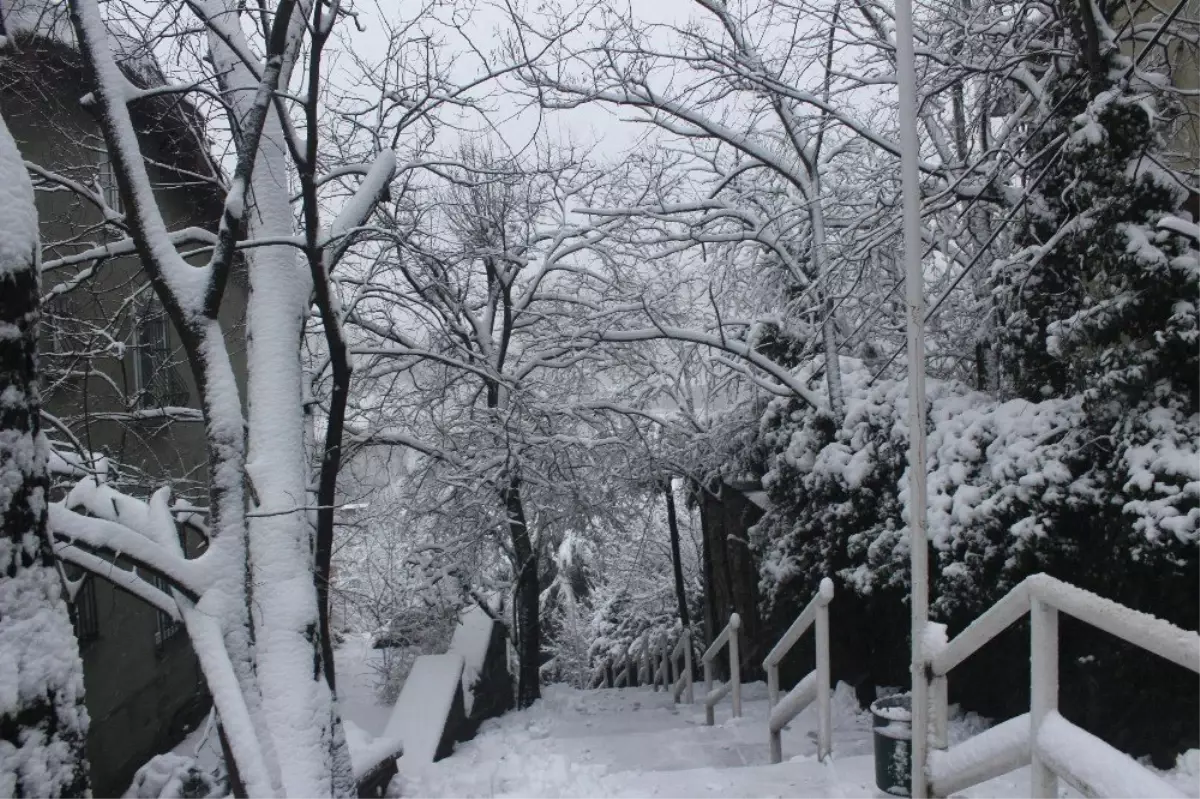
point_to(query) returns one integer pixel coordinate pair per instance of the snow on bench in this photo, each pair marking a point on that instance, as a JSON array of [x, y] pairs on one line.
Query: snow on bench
[[471, 639], [425, 715], [366, 751]]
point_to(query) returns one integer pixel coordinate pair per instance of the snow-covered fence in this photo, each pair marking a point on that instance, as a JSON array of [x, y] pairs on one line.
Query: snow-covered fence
[[1053, 746], [815, 684], [599, 678], [646, 669], [662, 674], [631, 673], [712, 696], [683, 674]]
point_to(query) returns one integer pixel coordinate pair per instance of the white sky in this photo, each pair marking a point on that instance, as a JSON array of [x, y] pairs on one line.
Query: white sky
[[593, 127]]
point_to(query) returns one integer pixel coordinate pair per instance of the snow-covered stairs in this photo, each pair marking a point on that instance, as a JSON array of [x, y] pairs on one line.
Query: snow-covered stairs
[[636, 742]]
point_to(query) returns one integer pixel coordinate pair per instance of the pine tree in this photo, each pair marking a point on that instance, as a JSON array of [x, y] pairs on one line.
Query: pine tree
[[1100, 301]]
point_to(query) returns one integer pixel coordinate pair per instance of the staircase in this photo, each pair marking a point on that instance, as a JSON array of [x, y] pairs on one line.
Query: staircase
[[637, 742]]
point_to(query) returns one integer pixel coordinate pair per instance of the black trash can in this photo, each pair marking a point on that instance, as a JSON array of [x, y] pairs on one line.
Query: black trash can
[[892, 721]]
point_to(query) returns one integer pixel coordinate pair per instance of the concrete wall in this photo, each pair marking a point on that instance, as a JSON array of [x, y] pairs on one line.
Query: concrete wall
[[142, 695]]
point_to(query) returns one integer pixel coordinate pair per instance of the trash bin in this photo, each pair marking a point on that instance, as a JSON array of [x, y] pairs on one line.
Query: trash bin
[[892, 722]]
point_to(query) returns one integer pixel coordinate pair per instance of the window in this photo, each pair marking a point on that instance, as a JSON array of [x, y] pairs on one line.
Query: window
[[158, 382], [107, 178], [85, 618], [167, 627]]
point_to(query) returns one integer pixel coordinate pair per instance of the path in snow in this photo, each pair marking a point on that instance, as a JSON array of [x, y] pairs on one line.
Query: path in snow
[[637, 743]]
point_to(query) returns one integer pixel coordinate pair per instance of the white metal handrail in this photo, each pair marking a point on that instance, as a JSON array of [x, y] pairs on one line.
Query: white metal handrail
[[629, 672], [667, 677], [599, 678], [1043, 738], [645, 672], [815, 684], [683, 678], [712, 696]]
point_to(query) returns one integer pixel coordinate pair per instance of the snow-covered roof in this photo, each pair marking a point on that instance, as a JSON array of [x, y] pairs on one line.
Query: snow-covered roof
[[43, 36], [48, 20], [42, 18]]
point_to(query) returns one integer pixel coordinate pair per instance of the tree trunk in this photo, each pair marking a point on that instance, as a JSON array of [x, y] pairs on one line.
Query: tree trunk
[[733, 574], [525, 609], [43, 727], [676, 562]]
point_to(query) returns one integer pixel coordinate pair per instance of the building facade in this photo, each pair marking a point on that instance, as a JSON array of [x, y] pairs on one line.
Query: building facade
[[115, 379]]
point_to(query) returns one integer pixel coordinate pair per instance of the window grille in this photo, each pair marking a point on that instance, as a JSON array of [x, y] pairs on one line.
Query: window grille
[[158, 381], [107, 178], [85, 617], [167, 627]]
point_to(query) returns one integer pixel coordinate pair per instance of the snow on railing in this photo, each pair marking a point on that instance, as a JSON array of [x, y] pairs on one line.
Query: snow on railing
[[645, 672], [599, 678], [683, 679], [1042, 738], [712, 696], [662, 666], [628, 674], [815, 684]]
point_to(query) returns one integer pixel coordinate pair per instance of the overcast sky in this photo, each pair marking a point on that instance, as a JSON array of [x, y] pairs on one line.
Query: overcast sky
[[487, 25]]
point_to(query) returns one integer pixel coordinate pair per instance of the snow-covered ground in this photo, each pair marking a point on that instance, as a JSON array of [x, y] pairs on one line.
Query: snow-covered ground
[[636, 743], [358, 700]]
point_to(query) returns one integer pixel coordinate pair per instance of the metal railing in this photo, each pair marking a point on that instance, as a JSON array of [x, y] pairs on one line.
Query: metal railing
[[712, 696], [662, 666], [599, 678], [1042, 738], [682, 683], [815, 684], [627, 676], [656, 666], [645, 671]]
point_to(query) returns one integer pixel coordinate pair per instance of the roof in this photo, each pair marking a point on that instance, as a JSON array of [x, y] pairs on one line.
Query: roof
[[42, 50]]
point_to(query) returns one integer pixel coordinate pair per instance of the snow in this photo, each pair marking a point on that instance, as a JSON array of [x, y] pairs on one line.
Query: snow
[[41, 677], [999, 749], [470, 640], [796, 700], [636, 743], [357, 677], [19, 226], [419, 716], [1091, 764], [171, 774]]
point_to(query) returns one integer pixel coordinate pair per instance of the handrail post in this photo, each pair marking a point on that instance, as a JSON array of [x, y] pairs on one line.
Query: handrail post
[[708, 681], [824, 711], [776, 736], [666, 663], [939, 699], [646, 662], [687, 665], [1043, 691], [735, 664], [939, 721]]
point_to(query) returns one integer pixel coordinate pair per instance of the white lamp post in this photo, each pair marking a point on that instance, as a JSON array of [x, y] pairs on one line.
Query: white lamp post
[[915, 302]]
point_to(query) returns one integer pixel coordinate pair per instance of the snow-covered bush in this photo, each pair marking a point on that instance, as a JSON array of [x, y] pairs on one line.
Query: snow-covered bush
[[416, 631], [173, 776], [1013, 489]]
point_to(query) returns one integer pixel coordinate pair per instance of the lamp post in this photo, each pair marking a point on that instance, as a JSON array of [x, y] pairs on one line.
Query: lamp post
[[915, 303]]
